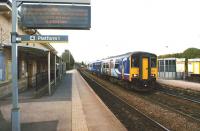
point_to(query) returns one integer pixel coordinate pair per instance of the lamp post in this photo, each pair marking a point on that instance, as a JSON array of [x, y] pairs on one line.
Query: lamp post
[[69, 59]]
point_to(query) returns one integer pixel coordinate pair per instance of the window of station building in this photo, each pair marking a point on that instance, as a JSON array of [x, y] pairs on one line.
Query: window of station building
[[161, 65], [135, 61], [2, 67], [167, 65], [161, 62], [153, 62], [172, 66]]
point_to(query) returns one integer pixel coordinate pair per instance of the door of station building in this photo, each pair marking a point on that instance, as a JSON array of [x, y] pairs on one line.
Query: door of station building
[[196, 68], [145, 72]]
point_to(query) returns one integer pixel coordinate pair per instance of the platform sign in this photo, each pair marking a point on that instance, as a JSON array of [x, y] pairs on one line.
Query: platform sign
[[47, 16], [44, 38]]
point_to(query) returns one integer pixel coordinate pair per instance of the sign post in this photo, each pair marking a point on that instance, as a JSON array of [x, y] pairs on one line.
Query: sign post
[[15, 115]]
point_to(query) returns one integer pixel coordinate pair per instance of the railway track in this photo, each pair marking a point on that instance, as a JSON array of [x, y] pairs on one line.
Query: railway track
[[178, 105], [132, 118], [177, 94]]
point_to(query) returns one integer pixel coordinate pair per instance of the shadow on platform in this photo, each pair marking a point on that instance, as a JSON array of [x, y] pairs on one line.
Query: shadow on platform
[[62, 93], [4, 125], [40, 126]]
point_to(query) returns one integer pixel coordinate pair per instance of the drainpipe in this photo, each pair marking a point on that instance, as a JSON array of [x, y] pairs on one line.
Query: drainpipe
[[55, 70], [49, 73]]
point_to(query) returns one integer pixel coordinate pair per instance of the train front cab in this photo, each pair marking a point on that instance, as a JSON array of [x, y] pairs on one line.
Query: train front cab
[[143, 69]]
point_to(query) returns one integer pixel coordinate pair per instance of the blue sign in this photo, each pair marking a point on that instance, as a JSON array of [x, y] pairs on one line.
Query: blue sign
[[55, 16]]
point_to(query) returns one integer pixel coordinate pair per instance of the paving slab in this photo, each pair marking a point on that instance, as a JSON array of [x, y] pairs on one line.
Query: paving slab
[[180, 84]]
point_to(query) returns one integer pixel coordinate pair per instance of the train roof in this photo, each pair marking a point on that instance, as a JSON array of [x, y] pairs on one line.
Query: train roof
[[129, 54], [123, 55]]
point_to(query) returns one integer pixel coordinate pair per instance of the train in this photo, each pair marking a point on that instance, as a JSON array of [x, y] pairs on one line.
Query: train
[[137, 69]]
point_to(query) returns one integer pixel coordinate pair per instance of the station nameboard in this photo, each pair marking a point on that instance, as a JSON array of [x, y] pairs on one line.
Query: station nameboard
[[55, 16], [44, 38]]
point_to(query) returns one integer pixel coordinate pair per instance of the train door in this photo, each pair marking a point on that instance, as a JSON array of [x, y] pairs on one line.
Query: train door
[[145, 71], [122, 69]]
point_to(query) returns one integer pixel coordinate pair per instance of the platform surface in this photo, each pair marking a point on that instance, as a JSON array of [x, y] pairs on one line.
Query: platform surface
[[180, 84], [74, 106]]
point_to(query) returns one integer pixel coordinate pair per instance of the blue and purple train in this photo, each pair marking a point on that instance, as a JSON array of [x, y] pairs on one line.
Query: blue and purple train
[[138, 69]]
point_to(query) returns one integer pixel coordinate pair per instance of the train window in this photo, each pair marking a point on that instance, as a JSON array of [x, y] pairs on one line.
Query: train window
[[104, 65], [135, 62], [107, 65], [111, 64], [116, 65], [153, 62]]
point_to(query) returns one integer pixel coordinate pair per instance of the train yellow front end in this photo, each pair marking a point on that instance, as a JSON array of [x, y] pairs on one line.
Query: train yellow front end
[[143, 69]]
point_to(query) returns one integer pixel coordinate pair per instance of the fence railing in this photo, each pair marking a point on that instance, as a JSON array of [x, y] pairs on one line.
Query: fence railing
[[41, 80]]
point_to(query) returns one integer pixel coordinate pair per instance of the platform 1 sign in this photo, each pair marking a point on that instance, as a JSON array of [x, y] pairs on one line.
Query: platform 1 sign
[[50, 16], [44, 38]]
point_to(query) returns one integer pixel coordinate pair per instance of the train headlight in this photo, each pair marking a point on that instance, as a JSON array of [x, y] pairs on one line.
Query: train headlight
[[135, 75], [153, 75]]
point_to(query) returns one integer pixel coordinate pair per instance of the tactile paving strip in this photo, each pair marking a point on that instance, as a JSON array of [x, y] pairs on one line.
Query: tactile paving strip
[[78, 117]]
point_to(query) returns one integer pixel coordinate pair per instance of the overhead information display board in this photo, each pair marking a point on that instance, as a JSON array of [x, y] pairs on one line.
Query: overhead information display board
[[44, 38], [55, 16], [57, 1]]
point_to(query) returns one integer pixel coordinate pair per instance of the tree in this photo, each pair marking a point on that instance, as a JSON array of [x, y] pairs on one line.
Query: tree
[[191, 53], [188, 54], [68, 59]]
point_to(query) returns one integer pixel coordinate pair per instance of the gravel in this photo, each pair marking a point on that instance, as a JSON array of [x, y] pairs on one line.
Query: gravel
[[166, 117]]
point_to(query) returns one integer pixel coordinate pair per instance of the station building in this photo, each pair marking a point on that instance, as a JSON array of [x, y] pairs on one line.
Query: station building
[[194, 66], [38, 63], [171, 68]]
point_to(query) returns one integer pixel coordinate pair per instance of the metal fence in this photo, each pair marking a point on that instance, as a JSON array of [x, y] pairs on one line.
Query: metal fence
[[41, 80]]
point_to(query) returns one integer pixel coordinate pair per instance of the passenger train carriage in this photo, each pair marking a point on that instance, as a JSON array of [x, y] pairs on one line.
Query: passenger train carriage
[[139, 69]]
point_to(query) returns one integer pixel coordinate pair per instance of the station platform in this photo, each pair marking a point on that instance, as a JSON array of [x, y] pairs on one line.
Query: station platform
[[73, 106], [180, 84]]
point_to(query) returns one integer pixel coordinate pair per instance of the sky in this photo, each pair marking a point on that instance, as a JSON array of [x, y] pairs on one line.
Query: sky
[[117, 27]]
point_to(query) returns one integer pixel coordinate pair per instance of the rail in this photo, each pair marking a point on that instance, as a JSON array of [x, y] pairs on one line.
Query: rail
[[176, 93]]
